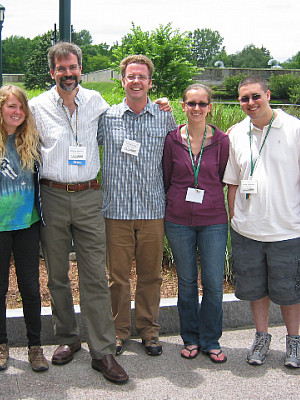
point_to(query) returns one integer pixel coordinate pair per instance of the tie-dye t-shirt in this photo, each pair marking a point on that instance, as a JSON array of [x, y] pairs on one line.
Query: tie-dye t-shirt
[[17, 210]]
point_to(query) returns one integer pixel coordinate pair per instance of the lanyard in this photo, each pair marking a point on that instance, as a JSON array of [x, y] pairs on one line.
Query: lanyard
[[196, 171], [76, 111], [253, 164]]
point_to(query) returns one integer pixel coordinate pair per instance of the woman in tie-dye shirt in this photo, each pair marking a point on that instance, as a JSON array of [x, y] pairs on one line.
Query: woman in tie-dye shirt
[[20, 215]]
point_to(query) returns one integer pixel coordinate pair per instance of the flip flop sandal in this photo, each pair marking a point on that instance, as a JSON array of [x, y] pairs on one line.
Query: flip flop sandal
[[190, 357], [216, 361]]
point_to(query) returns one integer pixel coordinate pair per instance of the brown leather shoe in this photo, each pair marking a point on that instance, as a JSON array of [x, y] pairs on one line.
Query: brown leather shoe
[[65, 353], [110, 369]]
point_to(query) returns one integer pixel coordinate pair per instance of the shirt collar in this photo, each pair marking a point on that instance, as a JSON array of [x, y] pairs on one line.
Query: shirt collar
[[275, 124], [57, 99], [148, 108]]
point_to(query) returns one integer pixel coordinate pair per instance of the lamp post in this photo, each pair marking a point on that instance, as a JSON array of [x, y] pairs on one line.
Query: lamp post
[[2, 12], [54, 36]]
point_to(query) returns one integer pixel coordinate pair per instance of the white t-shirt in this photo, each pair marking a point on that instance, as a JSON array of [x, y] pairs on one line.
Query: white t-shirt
[[273, 214]]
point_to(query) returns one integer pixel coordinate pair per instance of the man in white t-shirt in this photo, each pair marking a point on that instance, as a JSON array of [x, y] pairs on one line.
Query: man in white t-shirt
[[263, 177]]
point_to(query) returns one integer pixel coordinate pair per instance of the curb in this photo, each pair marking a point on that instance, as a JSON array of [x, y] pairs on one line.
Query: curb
[[236, 314]]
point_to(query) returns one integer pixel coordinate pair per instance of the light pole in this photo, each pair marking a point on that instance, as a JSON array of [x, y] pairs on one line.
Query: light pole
[[2, 12], [65, 20]]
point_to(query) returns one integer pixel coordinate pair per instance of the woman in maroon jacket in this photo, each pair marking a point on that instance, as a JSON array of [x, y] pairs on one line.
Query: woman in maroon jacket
[[195, 157]]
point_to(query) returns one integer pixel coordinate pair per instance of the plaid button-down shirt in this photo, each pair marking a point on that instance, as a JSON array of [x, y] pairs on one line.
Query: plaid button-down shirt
[[133, 185]]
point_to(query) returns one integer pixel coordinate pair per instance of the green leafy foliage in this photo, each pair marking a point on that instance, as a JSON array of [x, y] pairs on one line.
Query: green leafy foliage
[[294, 94], [251, 57], [205, 45], [37, 72], [224, 57], [169, 51], [285, 87], [96, 57], [231, 84], [81, 38], [293, 62], [15, 53]]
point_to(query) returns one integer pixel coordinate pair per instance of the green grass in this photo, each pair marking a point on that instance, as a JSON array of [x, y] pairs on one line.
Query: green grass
[[109, 91], [223, 116]]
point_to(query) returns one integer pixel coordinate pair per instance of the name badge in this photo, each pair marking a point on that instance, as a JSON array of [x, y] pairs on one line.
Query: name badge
[[194, 195], [77, 155], [248, 186], [131, 147]]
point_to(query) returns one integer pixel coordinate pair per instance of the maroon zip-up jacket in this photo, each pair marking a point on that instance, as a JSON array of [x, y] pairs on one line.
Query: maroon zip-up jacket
[[179, 176]]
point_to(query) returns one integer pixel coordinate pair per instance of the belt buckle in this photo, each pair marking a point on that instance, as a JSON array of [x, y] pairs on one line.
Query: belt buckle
[[68, 190]]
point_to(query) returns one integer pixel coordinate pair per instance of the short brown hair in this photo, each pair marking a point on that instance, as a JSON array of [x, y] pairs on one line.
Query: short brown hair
[[249, 80], [63, 50], [136, 59]]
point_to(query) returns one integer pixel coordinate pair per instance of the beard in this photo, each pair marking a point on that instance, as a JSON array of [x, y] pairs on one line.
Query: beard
[[68, 88]]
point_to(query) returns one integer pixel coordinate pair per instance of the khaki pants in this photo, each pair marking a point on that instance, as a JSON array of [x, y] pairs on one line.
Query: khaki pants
[[142, 240], [78, 216]]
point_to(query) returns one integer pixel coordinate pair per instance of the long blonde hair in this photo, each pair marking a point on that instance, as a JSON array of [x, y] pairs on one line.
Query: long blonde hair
[[27, 137]]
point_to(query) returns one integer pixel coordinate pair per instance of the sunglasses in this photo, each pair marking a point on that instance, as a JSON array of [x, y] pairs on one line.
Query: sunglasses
[[192, 104], [254, 97]]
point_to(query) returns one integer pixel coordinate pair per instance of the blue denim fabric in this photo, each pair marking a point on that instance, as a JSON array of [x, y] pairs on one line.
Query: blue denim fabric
[[200, 324]]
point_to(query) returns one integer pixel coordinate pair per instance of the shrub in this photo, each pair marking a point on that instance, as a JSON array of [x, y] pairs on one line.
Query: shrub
[[294, 94], [231, 84], [285, 87], [170, 52]]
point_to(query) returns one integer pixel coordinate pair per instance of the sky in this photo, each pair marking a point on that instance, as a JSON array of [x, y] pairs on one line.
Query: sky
[[273, 24]]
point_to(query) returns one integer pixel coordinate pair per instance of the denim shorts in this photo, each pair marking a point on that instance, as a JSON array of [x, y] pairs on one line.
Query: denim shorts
[[266, 269]]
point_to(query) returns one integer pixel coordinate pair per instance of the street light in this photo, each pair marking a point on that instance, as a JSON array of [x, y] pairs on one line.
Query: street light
[[2, 12]]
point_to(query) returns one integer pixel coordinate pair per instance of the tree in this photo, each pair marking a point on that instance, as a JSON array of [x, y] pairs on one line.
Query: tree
[[206, 44], [81, 38], [96, 57], [222, 56], [251, 57], [15, 53], [37, 73], [293, 62], [170, 52]]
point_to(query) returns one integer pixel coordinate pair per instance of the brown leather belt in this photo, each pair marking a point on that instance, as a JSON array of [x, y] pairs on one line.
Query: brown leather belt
[[72, 187]]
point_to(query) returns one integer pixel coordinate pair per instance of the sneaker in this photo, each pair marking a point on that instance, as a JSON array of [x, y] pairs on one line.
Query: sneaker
[[4, 354], [119, 346], [37, 359], [292, 358], [152, 346], [259, 349]]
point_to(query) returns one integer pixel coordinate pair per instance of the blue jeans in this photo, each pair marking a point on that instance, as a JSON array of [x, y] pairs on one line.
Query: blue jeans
[[200, 324]]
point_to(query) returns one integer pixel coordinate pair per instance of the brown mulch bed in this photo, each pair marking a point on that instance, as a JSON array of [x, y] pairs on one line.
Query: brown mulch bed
[[169, 285]]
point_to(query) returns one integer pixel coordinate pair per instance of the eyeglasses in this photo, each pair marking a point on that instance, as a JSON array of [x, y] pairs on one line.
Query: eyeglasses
[[132, 78], [73, 67], [254, 97], [193, 104]]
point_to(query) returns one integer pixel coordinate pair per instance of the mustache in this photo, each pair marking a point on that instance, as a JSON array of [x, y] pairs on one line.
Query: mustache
[[65, 78]]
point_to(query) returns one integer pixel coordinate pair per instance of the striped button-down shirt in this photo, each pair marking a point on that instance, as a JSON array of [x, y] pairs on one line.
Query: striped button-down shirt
[[133, 185], [57, 129]]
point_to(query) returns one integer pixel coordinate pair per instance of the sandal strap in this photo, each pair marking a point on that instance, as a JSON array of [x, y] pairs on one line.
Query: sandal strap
[[215, 354]]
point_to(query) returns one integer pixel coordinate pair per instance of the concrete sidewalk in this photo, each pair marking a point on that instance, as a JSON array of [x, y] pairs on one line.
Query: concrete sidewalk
[[167, 377]]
